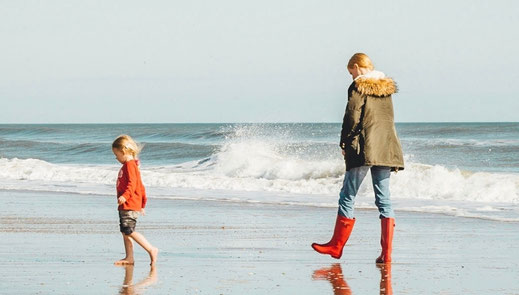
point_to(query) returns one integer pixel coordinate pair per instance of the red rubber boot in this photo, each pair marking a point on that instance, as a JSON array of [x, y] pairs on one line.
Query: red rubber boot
[[343, 228], [386, 239]]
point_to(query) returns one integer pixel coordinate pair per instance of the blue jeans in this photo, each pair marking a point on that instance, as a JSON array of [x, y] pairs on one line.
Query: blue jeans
[[353, 179]]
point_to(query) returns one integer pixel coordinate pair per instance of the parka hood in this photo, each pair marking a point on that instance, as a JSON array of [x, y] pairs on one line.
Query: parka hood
[[375, 83]]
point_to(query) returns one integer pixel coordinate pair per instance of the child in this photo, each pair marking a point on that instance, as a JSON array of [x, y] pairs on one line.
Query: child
[[131, 198]]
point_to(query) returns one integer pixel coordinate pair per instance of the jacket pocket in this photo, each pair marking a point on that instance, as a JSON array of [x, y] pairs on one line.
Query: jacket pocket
[[355, 144]]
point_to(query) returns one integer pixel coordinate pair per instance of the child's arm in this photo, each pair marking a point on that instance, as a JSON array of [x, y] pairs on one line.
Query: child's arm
[[144, 200]]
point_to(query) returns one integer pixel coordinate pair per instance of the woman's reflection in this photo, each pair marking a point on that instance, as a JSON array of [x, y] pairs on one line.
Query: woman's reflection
[[128, 288], [334, 275], [385, 279]]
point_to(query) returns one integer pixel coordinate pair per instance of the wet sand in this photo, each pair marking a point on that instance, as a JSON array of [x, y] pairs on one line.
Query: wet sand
[[66, 244]]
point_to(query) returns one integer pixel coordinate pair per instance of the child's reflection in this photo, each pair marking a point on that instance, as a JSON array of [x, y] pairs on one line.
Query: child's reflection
[[128, 288], [334, 275]]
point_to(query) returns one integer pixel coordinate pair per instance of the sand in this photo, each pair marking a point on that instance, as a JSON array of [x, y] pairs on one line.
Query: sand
[[55, 243]]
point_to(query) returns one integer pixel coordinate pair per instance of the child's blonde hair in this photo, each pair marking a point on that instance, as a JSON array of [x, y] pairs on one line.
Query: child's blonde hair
[[127, 145], [362, 60]]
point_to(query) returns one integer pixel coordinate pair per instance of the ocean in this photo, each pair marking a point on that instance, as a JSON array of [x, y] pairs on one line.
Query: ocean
[[468, 170]]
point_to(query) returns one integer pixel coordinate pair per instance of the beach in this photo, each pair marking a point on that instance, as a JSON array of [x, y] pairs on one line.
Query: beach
[[62, 243]]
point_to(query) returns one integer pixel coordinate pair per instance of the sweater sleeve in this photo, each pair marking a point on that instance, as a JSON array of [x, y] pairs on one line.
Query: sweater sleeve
[[352, 118], [130, 170], [144, 199]]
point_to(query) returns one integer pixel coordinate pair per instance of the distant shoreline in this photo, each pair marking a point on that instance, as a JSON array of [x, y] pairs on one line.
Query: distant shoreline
[[246, 123]]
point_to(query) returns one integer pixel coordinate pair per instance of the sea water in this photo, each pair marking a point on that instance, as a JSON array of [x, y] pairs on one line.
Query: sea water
[[461, 169]]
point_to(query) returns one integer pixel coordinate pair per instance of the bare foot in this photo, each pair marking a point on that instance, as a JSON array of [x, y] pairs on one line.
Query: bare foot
[[153, 256], [124, 261]]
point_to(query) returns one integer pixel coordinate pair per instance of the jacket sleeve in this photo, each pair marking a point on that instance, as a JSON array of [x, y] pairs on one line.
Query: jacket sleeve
[[144, 199], [130, 170], [351, 122]]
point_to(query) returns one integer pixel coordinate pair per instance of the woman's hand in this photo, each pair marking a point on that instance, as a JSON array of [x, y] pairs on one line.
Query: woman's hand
[[143, 212], [121, 200], [343, 153]]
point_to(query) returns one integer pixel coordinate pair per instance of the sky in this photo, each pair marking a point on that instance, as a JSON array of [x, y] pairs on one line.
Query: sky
[[253, 61]]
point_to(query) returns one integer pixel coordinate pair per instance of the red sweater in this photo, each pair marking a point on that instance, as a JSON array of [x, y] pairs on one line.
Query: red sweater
[[129, 185]]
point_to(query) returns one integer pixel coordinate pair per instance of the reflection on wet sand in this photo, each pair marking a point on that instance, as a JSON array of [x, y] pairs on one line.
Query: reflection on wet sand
[[333, 275], [128, 288], [385, 279]]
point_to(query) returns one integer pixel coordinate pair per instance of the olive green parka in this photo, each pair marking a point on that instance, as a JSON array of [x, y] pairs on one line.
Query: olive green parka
[[368, 134]]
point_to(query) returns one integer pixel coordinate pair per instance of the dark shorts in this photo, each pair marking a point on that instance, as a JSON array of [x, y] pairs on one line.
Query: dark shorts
[[127, 221]]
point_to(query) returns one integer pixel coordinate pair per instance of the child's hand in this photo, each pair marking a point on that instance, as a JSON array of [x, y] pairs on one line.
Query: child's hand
[[143, 212], [121, 200]]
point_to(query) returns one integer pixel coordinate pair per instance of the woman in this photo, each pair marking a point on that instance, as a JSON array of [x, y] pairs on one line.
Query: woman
[[368, 142]]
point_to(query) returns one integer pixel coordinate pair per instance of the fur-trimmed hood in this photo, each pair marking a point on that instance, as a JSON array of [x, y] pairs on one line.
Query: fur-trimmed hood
[[375, 83]]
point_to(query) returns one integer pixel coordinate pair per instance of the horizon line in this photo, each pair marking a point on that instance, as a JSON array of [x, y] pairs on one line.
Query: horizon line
[[294, 122]]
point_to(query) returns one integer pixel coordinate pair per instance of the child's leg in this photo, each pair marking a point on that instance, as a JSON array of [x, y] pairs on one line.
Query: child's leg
[[141, 240], [127, 221], [128, 249]]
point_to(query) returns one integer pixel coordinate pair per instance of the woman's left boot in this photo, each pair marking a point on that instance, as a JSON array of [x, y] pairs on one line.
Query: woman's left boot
[[386, 239]]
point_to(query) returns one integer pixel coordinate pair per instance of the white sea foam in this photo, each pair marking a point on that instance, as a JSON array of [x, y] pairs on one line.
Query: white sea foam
[[270, 173], [38, 170], [421, 181], [263, 160]]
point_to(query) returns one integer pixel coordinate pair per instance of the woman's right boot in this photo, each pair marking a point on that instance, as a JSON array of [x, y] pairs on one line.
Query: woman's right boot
[[343, 228]]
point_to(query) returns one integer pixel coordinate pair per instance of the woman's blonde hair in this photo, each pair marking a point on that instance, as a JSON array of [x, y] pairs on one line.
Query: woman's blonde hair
[[127, 145], [362, 60]]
